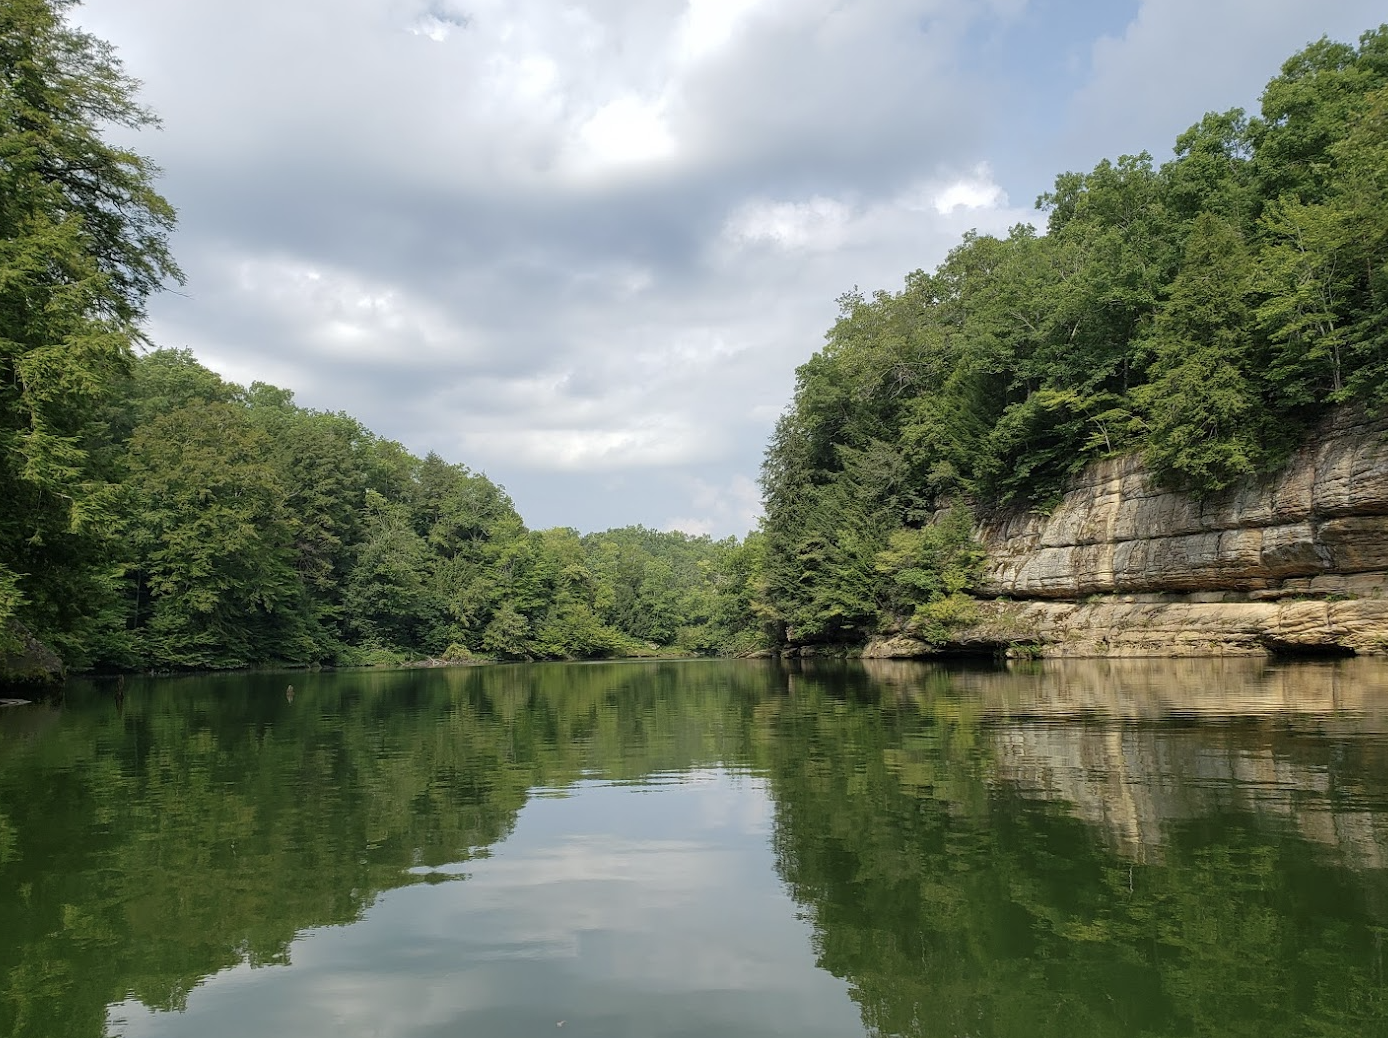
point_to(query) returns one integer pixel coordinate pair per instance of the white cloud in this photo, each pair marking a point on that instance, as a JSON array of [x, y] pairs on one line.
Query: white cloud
[[818, 224], [647, 442], [709, 25], [434, 27], [1160, 75], [339, 315], [626, 131], [978, 192], [734, 505], [599, 236], [892, 224]]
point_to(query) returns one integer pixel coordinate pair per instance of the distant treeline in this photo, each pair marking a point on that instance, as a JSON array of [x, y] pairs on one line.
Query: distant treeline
[[1204, 313], [155, 516], [250, 530]]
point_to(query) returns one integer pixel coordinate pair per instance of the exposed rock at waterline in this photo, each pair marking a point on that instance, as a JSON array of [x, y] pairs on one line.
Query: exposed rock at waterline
[[1123, 567], [32, 664]]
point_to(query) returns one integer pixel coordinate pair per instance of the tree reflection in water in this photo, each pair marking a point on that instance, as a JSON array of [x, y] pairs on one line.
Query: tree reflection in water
[[1166, 848]]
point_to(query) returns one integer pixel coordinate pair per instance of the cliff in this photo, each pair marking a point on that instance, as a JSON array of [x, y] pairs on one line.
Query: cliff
[[1123, 567]]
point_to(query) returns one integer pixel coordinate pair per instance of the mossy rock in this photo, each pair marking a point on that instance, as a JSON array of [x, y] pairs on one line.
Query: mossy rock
[[29, 663]]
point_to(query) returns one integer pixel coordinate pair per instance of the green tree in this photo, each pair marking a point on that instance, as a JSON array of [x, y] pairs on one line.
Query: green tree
[[83, 242], [1306, 108], [389, 600], [1203, 411], [216, 584], [1308, 274], [927, 572]]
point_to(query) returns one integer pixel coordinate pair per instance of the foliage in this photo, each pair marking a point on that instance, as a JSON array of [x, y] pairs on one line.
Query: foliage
[[83, 242], [253, 531], [1204, 312], [926, 573], [159, 516]]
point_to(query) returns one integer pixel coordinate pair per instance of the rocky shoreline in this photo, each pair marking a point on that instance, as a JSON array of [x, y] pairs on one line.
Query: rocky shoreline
[[1297, 563]]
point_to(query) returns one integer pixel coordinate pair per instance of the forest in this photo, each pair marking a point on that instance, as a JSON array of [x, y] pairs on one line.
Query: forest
[[246, 530], [159, 518], [1204, 312]]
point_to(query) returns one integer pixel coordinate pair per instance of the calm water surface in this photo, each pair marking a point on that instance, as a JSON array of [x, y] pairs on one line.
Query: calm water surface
[[702, 849]]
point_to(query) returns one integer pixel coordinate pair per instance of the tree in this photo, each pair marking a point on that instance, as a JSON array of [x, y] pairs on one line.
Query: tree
[[388, 601], [1204, 415], [217, 585], [83, 243], [1306, 108]]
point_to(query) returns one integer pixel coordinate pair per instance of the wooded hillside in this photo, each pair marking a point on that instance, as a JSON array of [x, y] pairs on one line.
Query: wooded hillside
[[1203, 312]]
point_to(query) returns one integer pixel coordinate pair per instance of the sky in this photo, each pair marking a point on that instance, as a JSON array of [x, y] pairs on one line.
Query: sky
[[582, 245]]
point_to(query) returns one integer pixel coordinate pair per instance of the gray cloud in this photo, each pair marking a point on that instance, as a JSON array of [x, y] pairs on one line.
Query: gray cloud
[[1181, 58], [584, 247]]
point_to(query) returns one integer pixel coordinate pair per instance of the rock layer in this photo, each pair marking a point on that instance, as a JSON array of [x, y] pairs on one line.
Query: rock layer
[[1123, 567], [1320, 527]]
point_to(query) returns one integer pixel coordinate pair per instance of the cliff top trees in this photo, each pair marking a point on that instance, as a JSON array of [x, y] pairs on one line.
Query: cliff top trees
[[83, 242], [1204, 312]]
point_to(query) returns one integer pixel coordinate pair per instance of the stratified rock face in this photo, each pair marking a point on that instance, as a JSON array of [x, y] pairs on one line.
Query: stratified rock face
[[1123, 568], [1320, 528]]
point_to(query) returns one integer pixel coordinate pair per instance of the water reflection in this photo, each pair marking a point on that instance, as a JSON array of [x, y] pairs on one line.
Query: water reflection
[[1092, 849], [1079, 848], [617, 909], [1134, 748]]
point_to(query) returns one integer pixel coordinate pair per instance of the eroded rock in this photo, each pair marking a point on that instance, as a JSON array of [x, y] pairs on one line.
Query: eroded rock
[[1122, 567]]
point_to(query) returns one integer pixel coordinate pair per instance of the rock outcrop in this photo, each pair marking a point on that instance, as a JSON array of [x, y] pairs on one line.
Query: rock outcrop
[[1321, 526], [1123, 567], [31, 664]]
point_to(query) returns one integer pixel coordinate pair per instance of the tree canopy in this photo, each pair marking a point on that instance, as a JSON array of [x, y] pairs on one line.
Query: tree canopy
[[83, 242], [1204, 312], [252, 530]]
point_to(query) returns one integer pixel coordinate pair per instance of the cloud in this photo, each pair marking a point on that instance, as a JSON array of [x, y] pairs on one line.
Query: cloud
[[709, 26], [438, 22], [583, 247], [624, 131], [734, 505], [659, 440], [820, 224], [971, 192], [1161, 74]]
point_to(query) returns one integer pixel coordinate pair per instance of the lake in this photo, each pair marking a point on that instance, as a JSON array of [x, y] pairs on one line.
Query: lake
[[702, 848]]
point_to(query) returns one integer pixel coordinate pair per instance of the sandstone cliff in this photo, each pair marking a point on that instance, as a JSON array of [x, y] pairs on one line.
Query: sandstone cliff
[[1123, 567]]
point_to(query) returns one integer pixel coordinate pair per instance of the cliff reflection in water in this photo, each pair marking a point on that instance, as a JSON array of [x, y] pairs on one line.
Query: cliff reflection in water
[[1062, 848], [1135, 748], [1188, 848]]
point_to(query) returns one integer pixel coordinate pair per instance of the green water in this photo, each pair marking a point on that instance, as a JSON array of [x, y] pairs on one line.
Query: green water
[[700, 849]]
